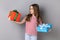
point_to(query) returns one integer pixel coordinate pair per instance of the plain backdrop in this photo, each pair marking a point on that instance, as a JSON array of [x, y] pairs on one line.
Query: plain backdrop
[[50, 10]]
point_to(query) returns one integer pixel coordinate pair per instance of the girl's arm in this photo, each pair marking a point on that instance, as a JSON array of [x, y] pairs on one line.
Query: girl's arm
[[40, 20], [21, 22]]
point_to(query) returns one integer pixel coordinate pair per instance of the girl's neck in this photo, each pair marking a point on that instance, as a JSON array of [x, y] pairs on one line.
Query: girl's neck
[[33, 15]]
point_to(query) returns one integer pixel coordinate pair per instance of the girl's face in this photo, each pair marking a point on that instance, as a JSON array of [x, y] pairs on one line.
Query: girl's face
[[31, 10]]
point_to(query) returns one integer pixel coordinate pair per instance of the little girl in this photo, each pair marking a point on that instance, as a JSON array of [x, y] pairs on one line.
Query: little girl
[[32, 21]]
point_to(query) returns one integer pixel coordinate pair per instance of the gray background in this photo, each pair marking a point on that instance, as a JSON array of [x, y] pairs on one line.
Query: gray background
[[12, 31]]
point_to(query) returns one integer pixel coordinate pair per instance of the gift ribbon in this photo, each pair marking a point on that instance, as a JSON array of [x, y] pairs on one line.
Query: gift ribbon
[[15, 16]]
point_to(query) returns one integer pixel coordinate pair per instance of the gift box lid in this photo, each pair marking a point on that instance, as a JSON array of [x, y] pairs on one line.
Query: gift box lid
[[45, 25]]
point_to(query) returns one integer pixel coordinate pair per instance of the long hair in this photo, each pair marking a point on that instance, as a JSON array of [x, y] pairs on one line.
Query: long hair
[[36, 13]]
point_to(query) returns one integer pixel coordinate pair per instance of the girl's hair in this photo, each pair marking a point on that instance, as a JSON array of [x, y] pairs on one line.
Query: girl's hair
[[36, 13]]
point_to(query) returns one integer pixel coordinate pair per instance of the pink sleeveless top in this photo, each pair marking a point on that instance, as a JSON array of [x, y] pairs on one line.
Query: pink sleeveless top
[[31, 26]]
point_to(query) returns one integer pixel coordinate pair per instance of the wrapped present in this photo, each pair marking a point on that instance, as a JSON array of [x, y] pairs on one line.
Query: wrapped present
[[14, 16], [44, 27]]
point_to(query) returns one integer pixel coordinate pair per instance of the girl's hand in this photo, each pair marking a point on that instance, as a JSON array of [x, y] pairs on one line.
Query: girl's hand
[[14, 21], [17, 22], [9, 18], [50, 30]]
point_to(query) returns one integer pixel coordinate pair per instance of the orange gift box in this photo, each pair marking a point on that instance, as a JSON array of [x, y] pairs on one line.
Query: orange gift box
[[14, 16]]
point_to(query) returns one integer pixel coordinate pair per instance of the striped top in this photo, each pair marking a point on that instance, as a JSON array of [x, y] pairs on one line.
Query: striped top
[[31, 26]]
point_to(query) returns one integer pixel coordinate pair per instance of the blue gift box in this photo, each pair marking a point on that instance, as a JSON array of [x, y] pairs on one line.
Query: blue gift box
[[44, 27]]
